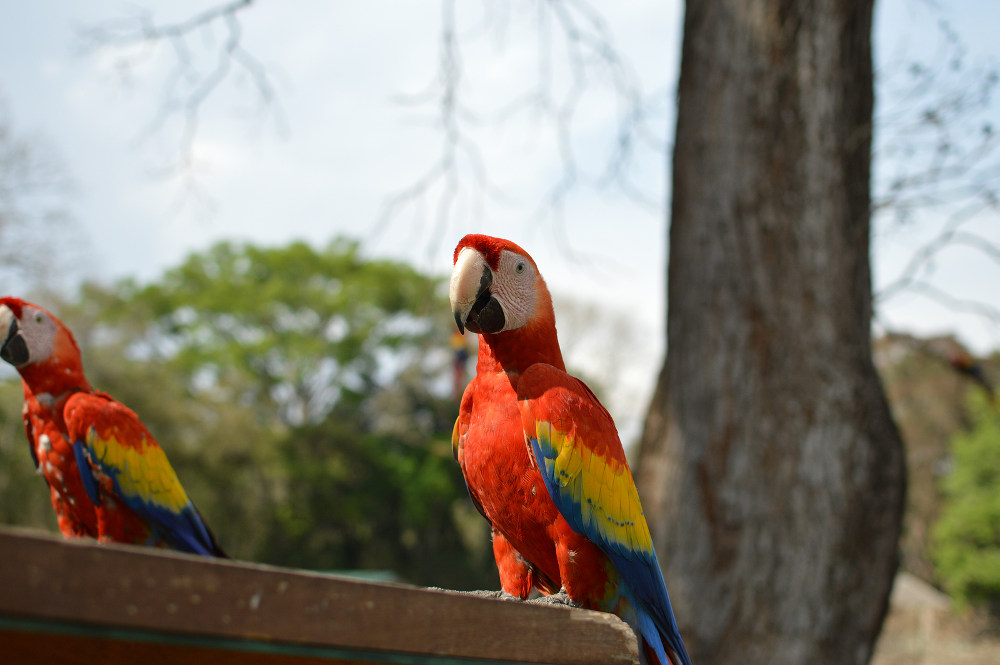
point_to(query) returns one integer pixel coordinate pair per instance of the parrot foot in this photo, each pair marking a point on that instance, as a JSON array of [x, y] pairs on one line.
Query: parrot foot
[[497, 595], [560, 599]]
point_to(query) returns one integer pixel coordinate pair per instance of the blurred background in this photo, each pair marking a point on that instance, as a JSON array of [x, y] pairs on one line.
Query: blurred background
[[245, 212]]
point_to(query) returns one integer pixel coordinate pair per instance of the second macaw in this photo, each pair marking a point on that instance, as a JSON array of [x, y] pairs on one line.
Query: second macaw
[[108, 477], [542, 458]]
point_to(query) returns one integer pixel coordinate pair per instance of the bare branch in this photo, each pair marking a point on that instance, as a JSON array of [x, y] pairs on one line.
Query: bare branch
[[588, 59], [968, 305], [944, 149], [189, 85], [35, 215], [950, 235], [459, 159]]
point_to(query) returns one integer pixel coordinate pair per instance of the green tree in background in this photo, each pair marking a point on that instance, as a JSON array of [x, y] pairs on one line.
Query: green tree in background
[[303, 398], [291, 329], [967, 534], [24, 498]]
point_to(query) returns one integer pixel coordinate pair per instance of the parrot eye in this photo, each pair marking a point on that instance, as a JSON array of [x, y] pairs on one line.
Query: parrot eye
[[38, 317], [519, 268]]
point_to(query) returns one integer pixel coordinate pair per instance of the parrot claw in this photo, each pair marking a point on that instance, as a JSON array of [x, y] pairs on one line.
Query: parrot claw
[[494, 595], [560, 599]]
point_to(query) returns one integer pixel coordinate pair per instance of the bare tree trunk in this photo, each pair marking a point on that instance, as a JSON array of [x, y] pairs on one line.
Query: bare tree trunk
[[770, 465]]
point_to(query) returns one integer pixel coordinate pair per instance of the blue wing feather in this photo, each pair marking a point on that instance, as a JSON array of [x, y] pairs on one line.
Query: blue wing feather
[[83, 465], [34, 453]]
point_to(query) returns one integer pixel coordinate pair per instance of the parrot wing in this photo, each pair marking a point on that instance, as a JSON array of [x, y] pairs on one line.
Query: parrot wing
[[461, 427], [458, 433], [110, 442], [29, 431], [576, 447]]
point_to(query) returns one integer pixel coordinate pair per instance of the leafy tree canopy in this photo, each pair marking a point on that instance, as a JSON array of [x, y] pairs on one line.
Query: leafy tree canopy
[[967, 534]]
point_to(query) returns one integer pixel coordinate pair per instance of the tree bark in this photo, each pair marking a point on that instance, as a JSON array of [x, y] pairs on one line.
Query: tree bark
[[770, 466]]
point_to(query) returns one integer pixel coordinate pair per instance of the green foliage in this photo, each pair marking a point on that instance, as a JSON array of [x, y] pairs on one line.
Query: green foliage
[[294, 392], [967, 534], [24, 497], [386, 503], [286, 328]]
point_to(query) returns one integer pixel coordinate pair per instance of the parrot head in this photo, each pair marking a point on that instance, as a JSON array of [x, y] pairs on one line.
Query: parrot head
[[39, 346], [495, 286]]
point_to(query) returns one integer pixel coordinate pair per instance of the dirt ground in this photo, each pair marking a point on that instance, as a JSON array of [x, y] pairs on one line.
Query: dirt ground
[[923, 628]]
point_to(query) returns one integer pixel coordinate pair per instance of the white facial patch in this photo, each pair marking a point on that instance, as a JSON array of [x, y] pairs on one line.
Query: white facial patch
[[514, 287], [39, 332]]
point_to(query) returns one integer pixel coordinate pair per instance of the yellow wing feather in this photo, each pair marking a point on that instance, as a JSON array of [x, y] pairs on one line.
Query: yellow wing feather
[[145, 472], [600, 486]]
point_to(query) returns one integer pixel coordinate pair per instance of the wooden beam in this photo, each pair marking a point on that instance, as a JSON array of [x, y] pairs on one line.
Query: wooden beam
[[131, 598]]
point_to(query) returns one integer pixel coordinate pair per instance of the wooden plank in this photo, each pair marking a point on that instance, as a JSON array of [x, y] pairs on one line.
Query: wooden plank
[[21, 646], [80, 582]]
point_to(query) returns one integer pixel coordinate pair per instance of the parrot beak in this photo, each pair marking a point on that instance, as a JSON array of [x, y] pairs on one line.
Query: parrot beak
[[474, 306], [14, 349]]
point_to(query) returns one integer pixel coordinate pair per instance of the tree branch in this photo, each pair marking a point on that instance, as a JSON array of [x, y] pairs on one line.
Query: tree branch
[[462, 169], [188, 87], [941, 140], [35, 214]]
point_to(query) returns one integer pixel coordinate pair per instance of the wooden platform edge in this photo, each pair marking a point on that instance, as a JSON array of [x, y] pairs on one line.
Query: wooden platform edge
[[47, 581]]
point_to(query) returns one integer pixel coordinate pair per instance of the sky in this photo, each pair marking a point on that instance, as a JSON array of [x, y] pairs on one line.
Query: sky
[[355, 121]]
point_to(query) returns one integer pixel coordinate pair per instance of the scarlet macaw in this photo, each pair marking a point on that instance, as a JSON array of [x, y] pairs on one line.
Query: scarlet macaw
[[542, 459], [963, 362], [108, 477]]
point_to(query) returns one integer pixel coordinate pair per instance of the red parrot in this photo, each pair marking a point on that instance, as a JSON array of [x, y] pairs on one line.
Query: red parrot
[[542, 459], [108, 477], [963, 362]]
